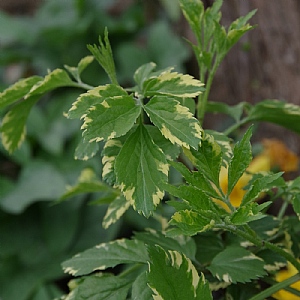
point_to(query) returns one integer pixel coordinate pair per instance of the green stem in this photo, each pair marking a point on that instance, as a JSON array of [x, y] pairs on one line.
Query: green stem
[[236, 126], [276, 287], [203, 98]]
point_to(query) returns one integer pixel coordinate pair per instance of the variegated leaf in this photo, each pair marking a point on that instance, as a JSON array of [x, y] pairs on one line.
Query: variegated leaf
[[115, 211], [240, 161], [55, 79], [141, 289], [208, 158], [99, 287], [95, 96], [106, 255], [142, 73], [76, 71], [88, 182], [13, 127], [141, 168], [86, 150], [18, 90], [111, 118], [174, 121], [191, 222], [172, 84], [236, 264], [173, 276], [110, 151]]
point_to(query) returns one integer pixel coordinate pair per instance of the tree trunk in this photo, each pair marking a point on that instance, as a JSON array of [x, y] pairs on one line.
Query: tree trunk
[[270, 68]]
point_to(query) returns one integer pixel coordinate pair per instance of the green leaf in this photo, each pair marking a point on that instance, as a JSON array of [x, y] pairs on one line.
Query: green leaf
[[236, 264], [83, 63], [247, 213], [262, 184], [190, 222], [208, 159], [209, 244], [174, 121], [55, 79], [240, 161], [104, 56], [278, 112], [172, 84], [115, 211], [100, 287], [173, 276], [95, 96], [140, 288], [86, 150], [195, 179], [13, 127], [197, 199], [106, 255], [111, 118], [142, 73], [238, 28], [183, 244], [141, 168], [193, 12], [87, 183], [18, 90], [234, 111]]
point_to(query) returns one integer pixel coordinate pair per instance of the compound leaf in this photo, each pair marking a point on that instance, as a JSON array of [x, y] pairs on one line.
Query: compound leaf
[[174, 121], [173, 276], [141, 168], [106, 255], [236, 264], [111, 118]]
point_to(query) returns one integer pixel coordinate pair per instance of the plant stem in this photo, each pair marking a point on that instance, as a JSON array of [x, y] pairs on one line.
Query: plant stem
[[203, 98], [279, 286]]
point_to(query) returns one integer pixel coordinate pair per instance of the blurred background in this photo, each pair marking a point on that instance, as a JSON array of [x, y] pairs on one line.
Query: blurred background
[[35, 35]]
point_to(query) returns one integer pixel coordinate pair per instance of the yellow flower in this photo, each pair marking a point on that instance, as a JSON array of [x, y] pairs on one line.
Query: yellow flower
[[282, 275], [275, 154]]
